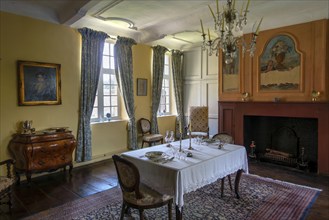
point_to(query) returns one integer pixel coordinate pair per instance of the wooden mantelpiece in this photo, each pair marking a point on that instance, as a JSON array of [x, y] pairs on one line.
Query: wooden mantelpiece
[[231, 120]]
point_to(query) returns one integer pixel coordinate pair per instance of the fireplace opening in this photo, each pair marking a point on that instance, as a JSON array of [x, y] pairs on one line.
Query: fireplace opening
[[287, 141]]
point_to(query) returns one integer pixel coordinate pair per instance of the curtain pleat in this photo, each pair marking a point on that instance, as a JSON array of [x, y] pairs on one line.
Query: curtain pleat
[[177, 71], [158, 69], [91, 61], [124, 72]]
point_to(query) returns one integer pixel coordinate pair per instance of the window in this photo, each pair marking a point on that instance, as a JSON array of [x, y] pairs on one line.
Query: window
[[107, 98], [164, 107]]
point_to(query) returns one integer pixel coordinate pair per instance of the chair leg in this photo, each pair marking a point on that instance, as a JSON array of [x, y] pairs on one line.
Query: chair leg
[[141, 214], [230, 182], [142, 144], [122, 211], [169, 210], [222, 187]]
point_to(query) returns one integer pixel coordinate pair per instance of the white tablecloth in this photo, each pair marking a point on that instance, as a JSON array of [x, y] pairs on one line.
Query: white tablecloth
[[179, 176]]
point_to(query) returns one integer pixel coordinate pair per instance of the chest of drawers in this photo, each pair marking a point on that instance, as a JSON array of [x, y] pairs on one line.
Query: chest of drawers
[[41, 152]]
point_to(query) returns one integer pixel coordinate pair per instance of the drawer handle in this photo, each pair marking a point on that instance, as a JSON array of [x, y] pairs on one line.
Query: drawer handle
[[41, 162], [63, 157]]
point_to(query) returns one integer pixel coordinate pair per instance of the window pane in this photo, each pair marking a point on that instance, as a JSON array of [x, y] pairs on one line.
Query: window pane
[[113, 79], [106, 90], [167, 100], [167, 108], [94, 114], [107, 101], [166, 70], [106, 78], [106, 49], [114, 90], [114, 111], [114, 101], [166, 91], [96, 101], [112, 63], [106, 62], [107, 110], [166, 83], [111, 49], [166, 59]]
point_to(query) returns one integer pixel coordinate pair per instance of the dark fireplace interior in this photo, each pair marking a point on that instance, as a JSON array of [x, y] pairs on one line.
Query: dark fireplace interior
[[286, 141]]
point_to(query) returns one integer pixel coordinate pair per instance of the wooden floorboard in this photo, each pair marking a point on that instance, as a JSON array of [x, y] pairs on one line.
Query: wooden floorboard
[[58, 188]]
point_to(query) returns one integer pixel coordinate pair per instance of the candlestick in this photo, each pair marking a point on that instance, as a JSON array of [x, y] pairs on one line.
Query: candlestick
[[202, 26], [180, 143], [212, 12], [190, 135]]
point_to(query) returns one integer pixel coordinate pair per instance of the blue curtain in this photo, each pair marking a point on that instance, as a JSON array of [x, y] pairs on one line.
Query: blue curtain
[[177, 71], [158, 69], [91, 61], [124, 72]]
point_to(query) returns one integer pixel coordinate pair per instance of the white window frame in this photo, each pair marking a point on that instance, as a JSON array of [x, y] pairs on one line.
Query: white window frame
[[166, 77], [99, 101]]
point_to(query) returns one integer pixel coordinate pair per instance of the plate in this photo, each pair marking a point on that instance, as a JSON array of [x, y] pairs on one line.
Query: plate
[[209, 141], [153, 154]]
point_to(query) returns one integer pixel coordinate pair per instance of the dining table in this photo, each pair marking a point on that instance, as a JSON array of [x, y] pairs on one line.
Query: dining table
[[184, 166]]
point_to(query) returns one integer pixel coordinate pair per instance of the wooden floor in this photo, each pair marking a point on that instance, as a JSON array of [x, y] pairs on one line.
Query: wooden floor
[[58, 188]]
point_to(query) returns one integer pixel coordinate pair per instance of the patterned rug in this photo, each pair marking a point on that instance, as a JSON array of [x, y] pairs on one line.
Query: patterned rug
[[261, 198]]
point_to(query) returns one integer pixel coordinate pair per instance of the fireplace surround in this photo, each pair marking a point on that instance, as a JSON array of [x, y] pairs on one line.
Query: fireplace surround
[[232, 114]]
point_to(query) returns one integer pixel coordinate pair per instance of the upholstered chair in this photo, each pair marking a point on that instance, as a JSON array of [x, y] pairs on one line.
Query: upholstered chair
[[136, 194], [6, 183], [227, 139], [148, 137], [199, 121]]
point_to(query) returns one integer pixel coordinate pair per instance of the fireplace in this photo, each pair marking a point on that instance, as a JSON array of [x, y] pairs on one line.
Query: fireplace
[[313, 117], [287, 141]]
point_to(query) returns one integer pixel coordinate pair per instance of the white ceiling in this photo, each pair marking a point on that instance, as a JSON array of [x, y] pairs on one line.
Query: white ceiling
[[171, 23]]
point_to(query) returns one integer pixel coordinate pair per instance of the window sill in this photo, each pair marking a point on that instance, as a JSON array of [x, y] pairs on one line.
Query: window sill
[[104, 122], [169, 115]]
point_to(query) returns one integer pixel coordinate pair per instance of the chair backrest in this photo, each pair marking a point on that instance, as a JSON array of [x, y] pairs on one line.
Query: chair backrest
[[128, 175], [224, 137], [145, 125], [199, 118]]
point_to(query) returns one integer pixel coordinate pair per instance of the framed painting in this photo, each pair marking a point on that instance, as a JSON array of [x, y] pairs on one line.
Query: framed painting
[[280, 65], [39, 83], [141, 87], [230, 77]]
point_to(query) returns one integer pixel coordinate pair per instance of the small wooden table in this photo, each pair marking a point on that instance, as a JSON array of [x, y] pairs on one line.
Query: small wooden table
[[41, 152]]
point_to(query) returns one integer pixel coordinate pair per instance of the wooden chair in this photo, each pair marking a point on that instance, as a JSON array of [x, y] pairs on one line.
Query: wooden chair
[[226, 138], [6, 183], [135, 194], [148, 137], [199, 121]]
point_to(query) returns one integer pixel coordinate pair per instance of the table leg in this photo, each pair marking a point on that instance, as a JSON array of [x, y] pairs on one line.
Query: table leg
[[236, 183], [179, 213]]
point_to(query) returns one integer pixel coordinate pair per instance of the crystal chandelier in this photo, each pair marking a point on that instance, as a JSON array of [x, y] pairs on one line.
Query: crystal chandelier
[[229, 25]]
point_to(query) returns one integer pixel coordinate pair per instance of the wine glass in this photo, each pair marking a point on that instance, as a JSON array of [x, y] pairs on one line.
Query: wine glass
[[172, 137], [167, 137]]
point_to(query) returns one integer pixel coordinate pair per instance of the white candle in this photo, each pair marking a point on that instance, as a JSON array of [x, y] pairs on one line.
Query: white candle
[[212, 12], [257, 30], [202, 27]]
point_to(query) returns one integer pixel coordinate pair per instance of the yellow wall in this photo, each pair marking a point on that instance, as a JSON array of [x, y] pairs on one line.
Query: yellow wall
[[23, 38]]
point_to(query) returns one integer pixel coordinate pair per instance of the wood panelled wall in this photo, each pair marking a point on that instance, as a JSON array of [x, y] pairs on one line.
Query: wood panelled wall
[[311, 40]]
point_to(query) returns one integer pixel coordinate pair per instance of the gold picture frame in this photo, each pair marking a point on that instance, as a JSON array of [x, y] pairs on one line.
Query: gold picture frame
[[39, 83]]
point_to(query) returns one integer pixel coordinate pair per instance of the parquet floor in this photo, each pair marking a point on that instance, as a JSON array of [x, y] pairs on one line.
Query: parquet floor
[[58, 188]]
